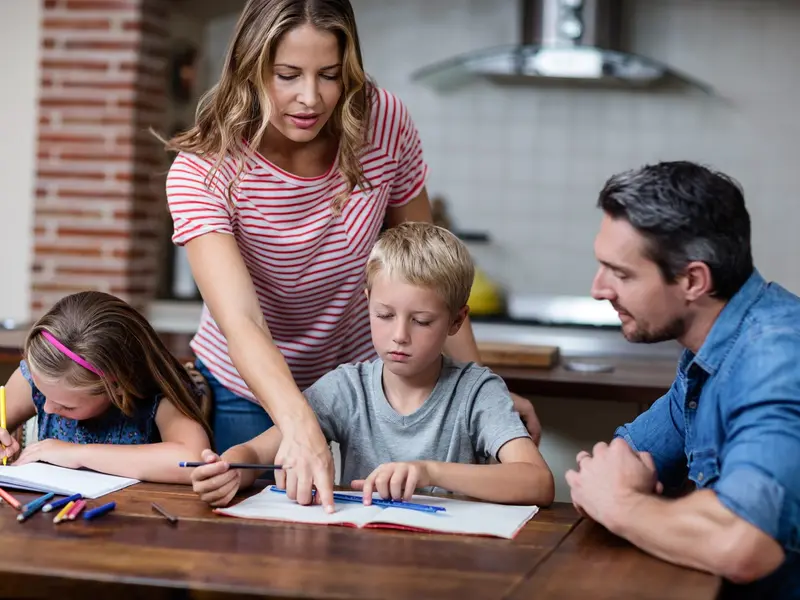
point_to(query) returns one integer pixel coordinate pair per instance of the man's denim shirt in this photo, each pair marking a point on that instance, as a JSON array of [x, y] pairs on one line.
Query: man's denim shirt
[[731, 421]]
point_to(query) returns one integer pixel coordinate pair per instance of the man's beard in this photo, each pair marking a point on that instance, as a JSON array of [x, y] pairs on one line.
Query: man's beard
[[644, 335]]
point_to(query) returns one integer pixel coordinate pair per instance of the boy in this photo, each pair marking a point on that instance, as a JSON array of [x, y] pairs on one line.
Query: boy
[[411, 419]]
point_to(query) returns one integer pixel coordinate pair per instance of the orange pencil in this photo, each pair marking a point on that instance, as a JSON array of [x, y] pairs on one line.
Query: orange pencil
[[10, 499]]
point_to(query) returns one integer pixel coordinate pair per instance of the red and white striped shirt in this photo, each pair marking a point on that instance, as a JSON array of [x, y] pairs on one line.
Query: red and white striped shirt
[[307, 265]]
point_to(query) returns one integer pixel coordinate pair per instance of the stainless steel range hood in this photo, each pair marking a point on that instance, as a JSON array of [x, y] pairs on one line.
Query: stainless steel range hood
[[562, 41]]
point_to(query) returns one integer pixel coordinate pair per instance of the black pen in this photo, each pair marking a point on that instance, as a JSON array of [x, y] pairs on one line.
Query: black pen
[[233, 465]]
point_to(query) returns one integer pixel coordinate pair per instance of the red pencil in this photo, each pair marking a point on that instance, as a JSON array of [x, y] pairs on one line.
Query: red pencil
[[76, 510], [10, 499]]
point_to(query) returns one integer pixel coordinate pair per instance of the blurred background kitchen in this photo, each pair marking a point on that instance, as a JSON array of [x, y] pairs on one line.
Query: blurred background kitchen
[[519, 144]]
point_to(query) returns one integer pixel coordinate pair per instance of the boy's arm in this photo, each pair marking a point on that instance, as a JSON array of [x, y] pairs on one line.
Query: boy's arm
[[522, 477], [497, 431], [217, 484], [262, 449]]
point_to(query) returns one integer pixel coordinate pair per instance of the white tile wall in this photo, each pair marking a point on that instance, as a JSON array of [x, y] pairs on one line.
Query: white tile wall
[[526, 163]]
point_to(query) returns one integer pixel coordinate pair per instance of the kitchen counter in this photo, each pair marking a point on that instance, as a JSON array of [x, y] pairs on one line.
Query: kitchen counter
[[635, 378], [641, 381]]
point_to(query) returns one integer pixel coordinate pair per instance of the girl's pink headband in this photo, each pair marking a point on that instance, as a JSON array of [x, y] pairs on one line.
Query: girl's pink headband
[[82, 362]]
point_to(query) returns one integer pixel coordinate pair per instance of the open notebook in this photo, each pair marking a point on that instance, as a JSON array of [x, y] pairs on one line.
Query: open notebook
[[42, 477], [460, 516]]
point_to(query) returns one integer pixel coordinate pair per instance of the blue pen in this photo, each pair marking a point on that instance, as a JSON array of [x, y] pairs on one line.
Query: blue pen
[[32, 507], [59, 503], [100, 510], [379, 502], [409, 505]]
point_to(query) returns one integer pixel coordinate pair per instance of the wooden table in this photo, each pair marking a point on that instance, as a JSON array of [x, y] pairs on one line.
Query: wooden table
[[135, 553]]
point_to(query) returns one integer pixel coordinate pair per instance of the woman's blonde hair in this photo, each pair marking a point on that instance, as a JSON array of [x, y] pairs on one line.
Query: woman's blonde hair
[[114, 339], [425, 255], [233, 116]]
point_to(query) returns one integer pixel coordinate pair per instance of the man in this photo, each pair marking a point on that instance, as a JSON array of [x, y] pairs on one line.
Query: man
[[675, 262]]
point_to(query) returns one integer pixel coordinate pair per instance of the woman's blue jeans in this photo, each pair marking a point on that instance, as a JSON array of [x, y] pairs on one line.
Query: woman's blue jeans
[[235, 419]]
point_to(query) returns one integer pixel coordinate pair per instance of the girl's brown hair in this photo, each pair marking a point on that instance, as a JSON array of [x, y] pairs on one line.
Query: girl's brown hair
[[113, 337], [233, 116]]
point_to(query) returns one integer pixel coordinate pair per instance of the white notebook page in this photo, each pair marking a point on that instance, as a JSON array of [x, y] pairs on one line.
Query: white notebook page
[[459, 516], [42, 477]]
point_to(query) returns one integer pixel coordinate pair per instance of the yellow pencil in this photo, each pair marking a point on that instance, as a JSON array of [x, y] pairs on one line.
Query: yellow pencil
[[64, 512], [3, 414]]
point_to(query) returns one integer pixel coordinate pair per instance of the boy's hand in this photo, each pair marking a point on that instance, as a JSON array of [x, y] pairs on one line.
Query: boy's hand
[[10, 444], [215, 482], [394, 481]]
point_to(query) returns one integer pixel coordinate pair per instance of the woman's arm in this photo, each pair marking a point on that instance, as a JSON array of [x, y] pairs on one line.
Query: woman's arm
[[228, 291]]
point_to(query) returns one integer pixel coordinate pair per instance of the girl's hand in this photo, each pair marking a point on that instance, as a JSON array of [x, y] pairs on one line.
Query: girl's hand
[[55, 452], [394, 481], [11, 445], [215, 482]]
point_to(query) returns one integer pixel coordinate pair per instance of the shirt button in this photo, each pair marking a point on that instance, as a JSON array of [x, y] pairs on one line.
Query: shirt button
[[692, 404], [699, 477]]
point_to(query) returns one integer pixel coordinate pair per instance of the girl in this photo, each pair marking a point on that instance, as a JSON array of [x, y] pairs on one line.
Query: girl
[[279, 191], [107, 394]]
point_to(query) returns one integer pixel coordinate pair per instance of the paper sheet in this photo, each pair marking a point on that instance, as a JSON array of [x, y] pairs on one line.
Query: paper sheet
[[42, 477]]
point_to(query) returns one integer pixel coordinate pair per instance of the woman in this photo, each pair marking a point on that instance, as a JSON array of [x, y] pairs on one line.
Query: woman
[[278, 193]]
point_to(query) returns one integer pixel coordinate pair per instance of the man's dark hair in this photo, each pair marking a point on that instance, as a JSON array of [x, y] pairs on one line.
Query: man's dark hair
[[686, 212]]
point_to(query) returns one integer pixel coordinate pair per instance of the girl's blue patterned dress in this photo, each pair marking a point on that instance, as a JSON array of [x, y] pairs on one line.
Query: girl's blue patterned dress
[[112, 427]]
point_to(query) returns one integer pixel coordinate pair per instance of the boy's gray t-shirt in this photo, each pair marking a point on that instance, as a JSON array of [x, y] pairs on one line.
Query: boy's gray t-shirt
[[466, 419]]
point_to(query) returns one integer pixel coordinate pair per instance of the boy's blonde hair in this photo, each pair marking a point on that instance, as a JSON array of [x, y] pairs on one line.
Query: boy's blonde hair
[[425, 255]]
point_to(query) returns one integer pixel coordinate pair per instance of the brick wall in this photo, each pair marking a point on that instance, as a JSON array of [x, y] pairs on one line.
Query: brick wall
[[100, 205]]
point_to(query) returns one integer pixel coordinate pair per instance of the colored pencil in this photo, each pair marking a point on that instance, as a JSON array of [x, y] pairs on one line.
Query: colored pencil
[[76, 509], [31, 508], [171, 518], [59, 503], [63, 513], [10, 499], [38, 503], [99, 511]]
